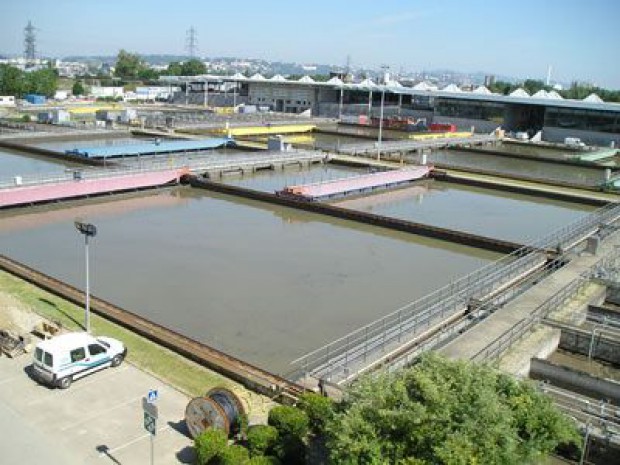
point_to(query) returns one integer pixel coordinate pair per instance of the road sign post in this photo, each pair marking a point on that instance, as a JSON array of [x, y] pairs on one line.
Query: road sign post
[[150, 418]]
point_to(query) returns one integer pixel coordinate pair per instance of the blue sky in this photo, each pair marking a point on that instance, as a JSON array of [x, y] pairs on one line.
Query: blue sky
[[579, 39]]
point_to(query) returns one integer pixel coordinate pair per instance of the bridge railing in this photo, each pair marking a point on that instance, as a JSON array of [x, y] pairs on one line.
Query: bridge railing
[[149, 164], [77, 174], [414, 144], [357, 350]]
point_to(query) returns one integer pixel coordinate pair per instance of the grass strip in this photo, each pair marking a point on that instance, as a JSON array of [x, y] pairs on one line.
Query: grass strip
[[185, 375]]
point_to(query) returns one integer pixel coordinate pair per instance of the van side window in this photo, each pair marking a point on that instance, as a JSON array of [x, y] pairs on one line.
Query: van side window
[[48, 359], [78, 354], [96, 349]]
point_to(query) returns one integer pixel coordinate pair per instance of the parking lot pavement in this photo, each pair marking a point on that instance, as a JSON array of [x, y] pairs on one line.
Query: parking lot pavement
[[98, 420]]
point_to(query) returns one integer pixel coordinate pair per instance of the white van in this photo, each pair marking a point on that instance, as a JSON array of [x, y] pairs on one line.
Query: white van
[[574, 142], [62, 359]]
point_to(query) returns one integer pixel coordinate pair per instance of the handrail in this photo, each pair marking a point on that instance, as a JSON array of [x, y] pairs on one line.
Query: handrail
[[154, 164]]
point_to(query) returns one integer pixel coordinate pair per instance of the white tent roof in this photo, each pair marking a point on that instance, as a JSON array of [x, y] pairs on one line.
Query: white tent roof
[[481, 90], [424, 86], [519, 93], [278, 78], [394, 84], [258, 77], [367, 83], [238, 76], [542, 93], [554, 95], [593, 98], [451, 88], [306, 79], [335, 81]]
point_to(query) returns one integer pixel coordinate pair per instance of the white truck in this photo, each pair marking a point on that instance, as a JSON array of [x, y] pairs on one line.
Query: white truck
[[61, 360], [574, 142]]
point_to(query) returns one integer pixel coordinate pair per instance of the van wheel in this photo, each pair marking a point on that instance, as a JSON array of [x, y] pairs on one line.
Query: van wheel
[[64, 383], [117, 360]]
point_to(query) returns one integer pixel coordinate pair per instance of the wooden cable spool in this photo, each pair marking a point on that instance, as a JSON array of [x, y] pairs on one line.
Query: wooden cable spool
[[220, 408]]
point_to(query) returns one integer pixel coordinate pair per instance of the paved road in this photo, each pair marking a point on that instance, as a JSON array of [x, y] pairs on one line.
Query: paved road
[[20, 442], [98, 420]]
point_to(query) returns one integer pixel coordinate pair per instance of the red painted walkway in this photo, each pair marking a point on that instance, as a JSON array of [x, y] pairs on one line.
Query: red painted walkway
[[71, 188], [356, 184]]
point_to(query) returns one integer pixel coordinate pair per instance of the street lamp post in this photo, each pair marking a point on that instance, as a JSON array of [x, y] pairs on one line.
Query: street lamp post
[[380, 124], [88, 230]]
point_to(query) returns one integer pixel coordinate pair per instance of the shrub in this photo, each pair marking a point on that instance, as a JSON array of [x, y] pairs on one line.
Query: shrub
[[264, 460], [209, 444], [289, 421], [261, 439], [291, 449], [233, 455], [320, 410]]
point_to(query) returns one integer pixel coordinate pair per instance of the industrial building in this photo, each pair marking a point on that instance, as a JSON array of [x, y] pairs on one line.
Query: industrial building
[[592, 120]]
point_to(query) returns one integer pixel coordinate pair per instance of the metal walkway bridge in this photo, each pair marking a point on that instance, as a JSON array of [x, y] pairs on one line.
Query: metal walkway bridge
[[395, 146], [392, 336]]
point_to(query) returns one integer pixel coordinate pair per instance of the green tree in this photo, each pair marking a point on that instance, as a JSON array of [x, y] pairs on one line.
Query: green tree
[[534, 85], [289, 421], [320, 410], [193, 67], [43, 82], [78, 88], [502, 87], [11, 81], [444, 412], [148, 74], [174, 69], [128, 65]]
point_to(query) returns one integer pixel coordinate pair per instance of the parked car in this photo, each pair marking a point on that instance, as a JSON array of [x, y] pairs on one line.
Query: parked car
[[62, 359]]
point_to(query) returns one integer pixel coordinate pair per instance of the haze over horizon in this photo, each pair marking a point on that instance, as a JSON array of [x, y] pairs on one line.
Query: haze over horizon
[[578, 39]]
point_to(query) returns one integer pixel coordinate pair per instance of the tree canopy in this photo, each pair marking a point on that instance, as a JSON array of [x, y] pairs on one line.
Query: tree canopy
[[192, 67], [129, 65], [14, 81], [78, 88], [575, 91], [444, 412]]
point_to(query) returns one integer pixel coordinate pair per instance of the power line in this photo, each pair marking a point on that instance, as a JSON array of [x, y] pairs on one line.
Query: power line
[[191, 42]]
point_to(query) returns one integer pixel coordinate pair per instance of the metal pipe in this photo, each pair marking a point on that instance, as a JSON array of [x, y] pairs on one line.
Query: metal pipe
[[591, 348]]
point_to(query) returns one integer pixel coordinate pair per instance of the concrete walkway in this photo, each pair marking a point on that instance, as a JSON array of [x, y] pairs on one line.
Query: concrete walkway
[[576, 193], [480, 336]]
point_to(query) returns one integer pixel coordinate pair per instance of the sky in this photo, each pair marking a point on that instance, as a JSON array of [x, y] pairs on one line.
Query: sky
[[579, 39]]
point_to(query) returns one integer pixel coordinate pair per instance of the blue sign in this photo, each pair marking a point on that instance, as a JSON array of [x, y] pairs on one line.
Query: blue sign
[[152, 396]]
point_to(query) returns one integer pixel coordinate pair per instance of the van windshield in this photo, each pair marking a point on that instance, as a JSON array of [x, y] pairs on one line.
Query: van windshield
[[48, 359]]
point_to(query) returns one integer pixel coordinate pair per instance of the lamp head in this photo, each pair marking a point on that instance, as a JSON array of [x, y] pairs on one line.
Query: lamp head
[[87, 229]]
